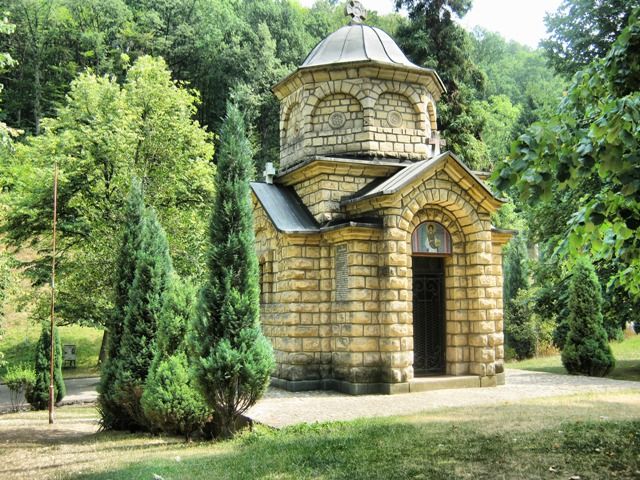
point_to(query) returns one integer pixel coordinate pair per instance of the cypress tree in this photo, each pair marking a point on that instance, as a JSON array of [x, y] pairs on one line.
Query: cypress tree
[[519, 331], [38, 397], [171, 401], [112, 415], [586, 350], [153, 271], [233, 360], [515, 268]]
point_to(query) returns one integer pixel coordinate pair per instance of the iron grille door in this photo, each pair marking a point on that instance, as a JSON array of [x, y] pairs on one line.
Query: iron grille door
[[428, 316]]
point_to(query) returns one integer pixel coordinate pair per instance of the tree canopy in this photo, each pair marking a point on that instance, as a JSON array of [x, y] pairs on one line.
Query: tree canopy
[[102, 135], [581, 31], [589, 149]]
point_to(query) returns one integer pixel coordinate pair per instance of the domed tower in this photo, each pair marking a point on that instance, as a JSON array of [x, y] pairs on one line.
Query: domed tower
[[380, 270], [357, 95]]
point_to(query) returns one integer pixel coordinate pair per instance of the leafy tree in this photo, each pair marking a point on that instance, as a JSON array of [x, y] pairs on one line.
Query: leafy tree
[[591, 139], [54, 40], [38, 396], [433, 39], [501, 121], [516, 276], [111, 414], [586, 350], [6, 61], [171, 401], [519, 73], [582, 31], [232, 358], [153, 274], [5, 281], [101, 136]]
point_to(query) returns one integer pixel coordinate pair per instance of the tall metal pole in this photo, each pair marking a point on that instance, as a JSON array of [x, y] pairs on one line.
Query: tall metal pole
[[53, 290]]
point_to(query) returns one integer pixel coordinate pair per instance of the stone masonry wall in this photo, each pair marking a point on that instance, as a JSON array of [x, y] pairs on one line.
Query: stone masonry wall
[[473, 277], [366, 112], [364, 333]]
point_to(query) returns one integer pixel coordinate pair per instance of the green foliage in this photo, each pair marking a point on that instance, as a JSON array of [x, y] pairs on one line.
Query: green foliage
[[38, 396], [582, 31], [153, 274], [527, 334], [5, 284], [591, 140], [232, 358], [112, 415], [516, 276], [103, 135], [6, 61], [20, 380], [433, 39], [171, 401], [586, 350]]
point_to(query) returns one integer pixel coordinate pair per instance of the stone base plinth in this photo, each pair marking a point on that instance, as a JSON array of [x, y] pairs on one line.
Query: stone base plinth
[[421, 384]]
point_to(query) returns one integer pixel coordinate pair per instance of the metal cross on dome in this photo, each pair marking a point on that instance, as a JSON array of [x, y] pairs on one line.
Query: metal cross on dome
[[356, 11]]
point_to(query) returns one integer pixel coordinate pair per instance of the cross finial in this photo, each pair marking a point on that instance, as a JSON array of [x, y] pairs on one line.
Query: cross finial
[[269, 172], [356, 11]]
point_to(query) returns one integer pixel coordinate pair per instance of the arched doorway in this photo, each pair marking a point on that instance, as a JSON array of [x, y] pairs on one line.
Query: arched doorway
[[431, 243]]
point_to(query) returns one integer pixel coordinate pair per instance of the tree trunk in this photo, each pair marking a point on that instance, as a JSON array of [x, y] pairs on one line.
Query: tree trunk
[[103, 347]]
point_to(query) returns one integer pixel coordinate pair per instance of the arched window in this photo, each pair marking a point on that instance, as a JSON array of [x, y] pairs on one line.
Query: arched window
[[431, 238]]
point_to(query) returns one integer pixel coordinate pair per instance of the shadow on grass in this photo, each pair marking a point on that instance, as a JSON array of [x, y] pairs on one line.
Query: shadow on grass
[[400, 448]]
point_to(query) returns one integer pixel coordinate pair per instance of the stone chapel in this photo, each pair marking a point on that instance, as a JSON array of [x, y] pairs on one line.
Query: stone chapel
[[380, 269]]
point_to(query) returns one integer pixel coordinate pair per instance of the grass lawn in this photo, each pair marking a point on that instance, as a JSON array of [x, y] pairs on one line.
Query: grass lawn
[[593, 436], [627, 355], [20, 338]]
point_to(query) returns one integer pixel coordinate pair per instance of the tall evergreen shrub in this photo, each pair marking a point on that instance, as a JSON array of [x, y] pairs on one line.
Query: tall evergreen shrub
[[232, 358], [38, 396], [171, 400], [153, 271], [586, 350], [519, 327], [111, 413], [516, 275]]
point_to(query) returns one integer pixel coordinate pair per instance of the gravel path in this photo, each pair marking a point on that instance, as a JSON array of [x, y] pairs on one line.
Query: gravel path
[[280, 408]]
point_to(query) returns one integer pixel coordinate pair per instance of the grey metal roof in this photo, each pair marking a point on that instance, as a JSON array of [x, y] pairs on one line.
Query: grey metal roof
[[395, 182], [407, 175], [284, 208], [354, 43]]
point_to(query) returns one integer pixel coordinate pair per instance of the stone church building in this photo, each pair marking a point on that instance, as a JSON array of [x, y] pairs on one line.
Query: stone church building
[[379, 266]]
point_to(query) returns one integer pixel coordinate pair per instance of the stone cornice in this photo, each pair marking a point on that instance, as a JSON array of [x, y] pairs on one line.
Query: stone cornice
[[337, 166], [368, 69]]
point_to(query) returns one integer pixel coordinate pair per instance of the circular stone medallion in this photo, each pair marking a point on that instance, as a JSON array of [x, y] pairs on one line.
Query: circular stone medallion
[[337, 120], [394, 119]]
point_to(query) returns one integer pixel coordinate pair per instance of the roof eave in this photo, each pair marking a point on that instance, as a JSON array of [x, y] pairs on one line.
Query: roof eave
[[276, 89]]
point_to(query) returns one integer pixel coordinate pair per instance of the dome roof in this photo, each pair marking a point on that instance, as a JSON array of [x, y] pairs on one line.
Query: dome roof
[[357, 43]]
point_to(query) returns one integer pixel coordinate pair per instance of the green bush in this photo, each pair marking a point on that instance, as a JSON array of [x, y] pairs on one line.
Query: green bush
[[586, 350], [138, 343], [171, 401], [233, 360], [20, 380], [526, 333], [112, 416], [38, 397]]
